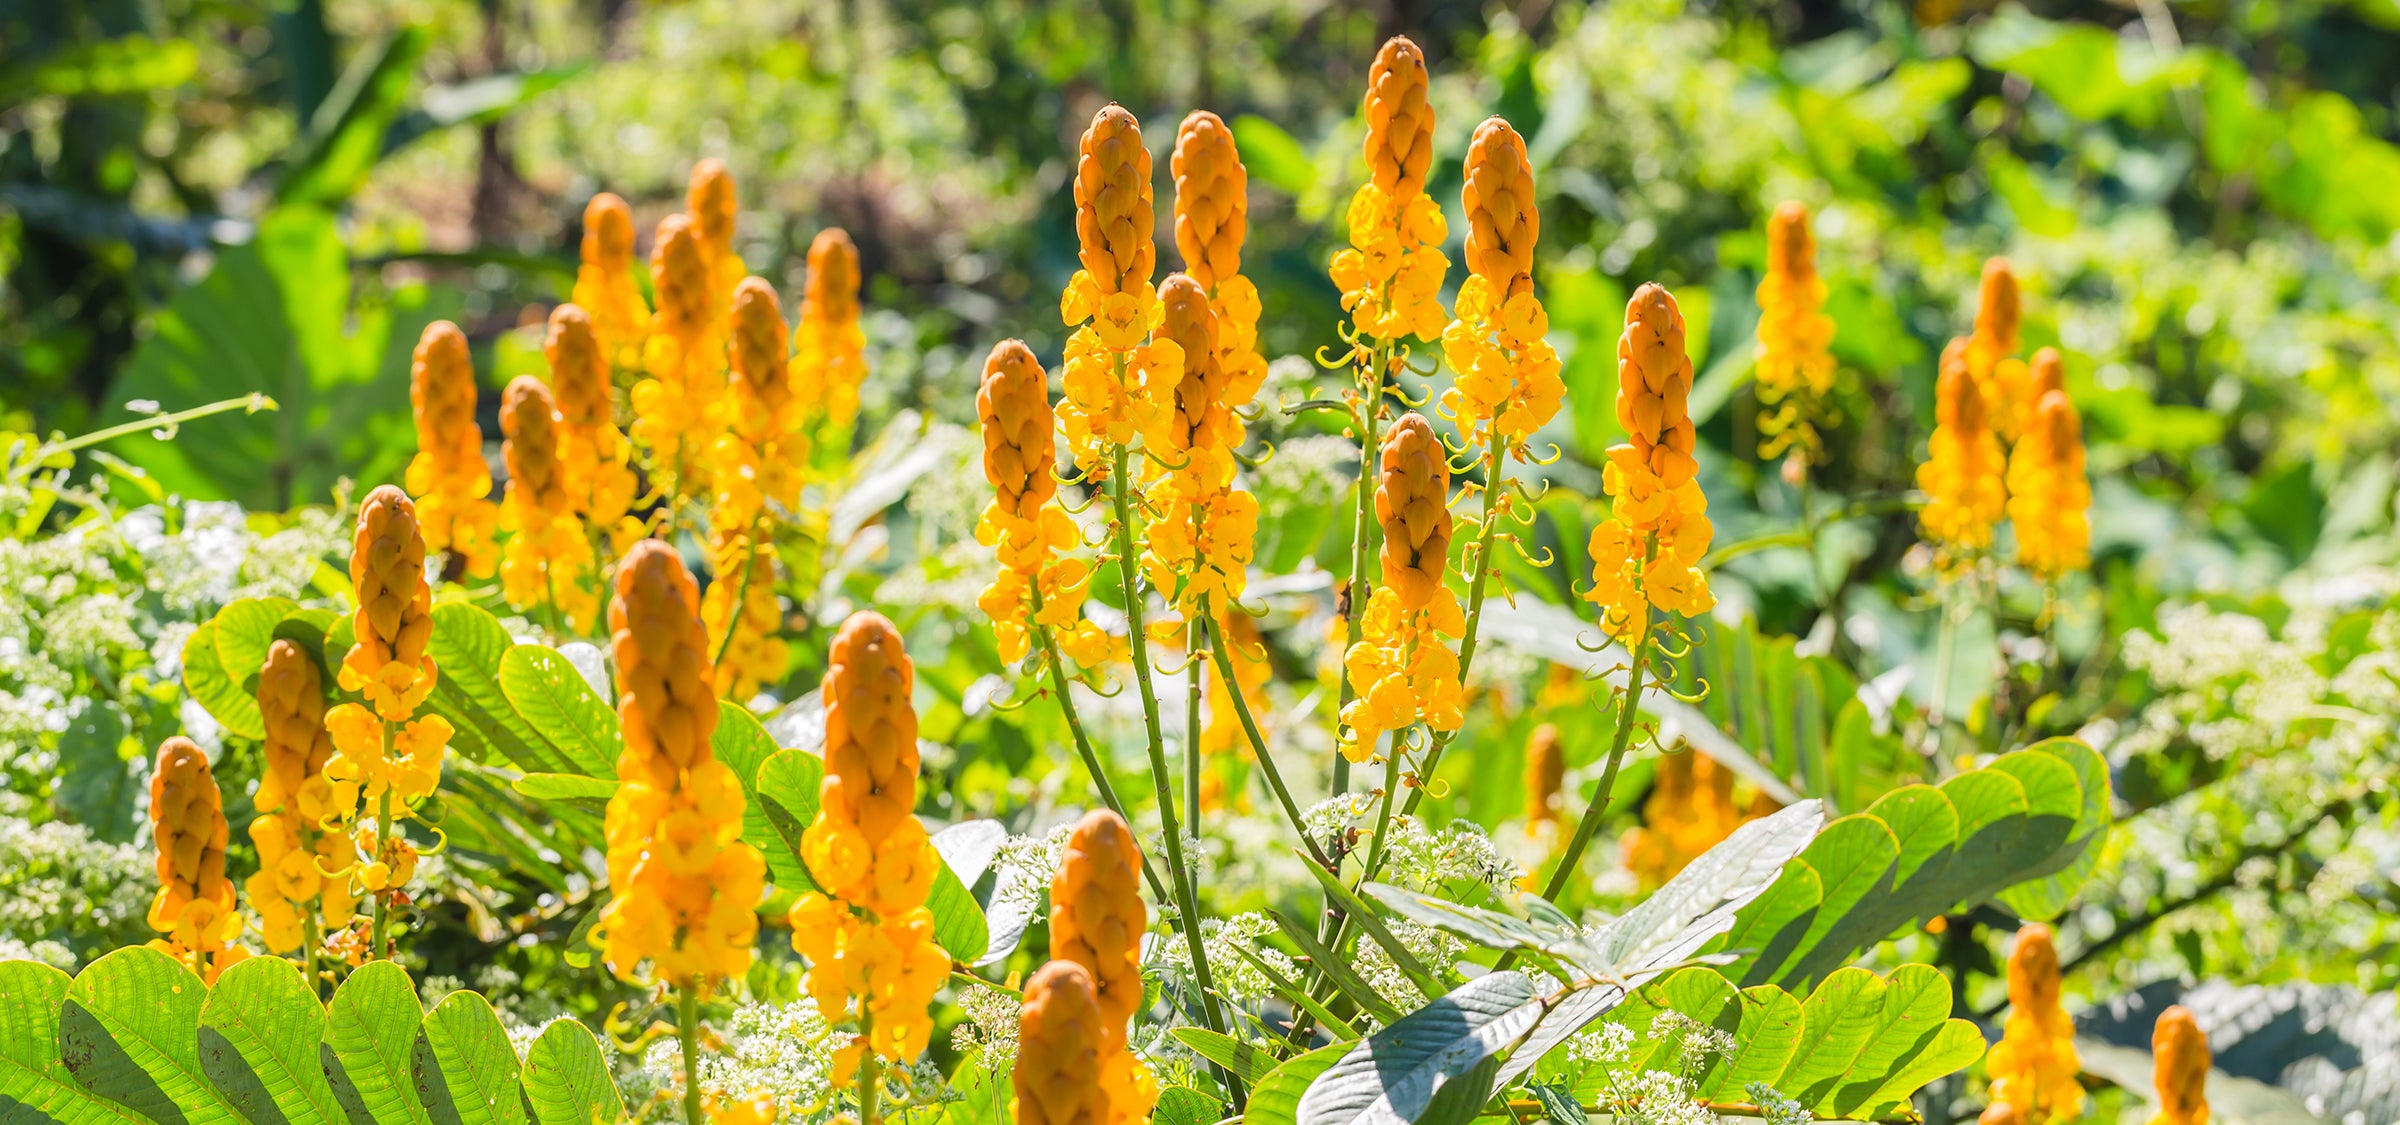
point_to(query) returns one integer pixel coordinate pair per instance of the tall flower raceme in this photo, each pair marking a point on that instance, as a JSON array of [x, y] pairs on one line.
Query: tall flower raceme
[[1097, 919], [1991, 351], [1646, 554], [296, 802], [1201, 529], [758, 463], [1117, 378], [829, 347], [2049, 495], [678, 408], [1795, 341], [1508, 384], [715, 208], [874, 965], [1963, 473], [1061, 1076], [1038, 590], [592, 452], [448, 476], [686, 886], [548, 556], [383, 748], [194, 907], [2180, 1053], [1212, 217], [1400, 666], [605, 288], [2034, 1065]]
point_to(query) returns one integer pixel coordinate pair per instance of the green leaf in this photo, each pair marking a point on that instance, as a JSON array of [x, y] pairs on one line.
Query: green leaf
[[550, 694], [783, 803], [217, 693], [566, 1078], [96, 784], [1401, 1071], [129, 64], [1182, 1105], [467, 647], [1240, 1057], [1275, 1100], [477, 101], [370, 1035], [958, 922], [2049, 896], [33, 1079], [259, 1034], [565, 787], [1272, 156], [125, 1032], [464, 1069], [345, 137]]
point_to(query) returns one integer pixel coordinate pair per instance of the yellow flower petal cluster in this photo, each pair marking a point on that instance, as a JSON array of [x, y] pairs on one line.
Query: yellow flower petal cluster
[[1795, 340], [1963, 471], [1545, 775], [678, 410], [758, 1107], [1097, 918], [1692, 807], [1646, 555], [742, 600], [387, 753], [758, 461], [2181, 1059], [295, 801], [448, 475], [1391, 273], [592, 452], [1020, 453], [604, 283], [547, 556], [874, 964], [2049, 496], [1117, 377], [1212, 209], [1403, 670], [830, 347], [686, 887], [194, 907], [1507, 373], [1992, 348], [1065, 1073], [1201, 529], [715, 208], [2034, 1065]]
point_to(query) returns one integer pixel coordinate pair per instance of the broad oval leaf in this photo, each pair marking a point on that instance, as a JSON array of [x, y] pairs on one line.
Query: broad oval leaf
[[205, 676], [463, 1068], [259, 1033], [550, 694], [566, 1078], [1395, 1075], [468, 645], [34, 1081], [565, 787], [1275, 1100], [1701, 901], [1243, 1059], [370, 1037], [125, 1032]]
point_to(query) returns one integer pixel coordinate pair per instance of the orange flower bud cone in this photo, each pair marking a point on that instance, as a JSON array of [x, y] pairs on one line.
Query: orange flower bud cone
[[604, 282], [291, 706], [1646, 555], [1399, 141], [195, 903], [448, 473], [833, 275], [680, 276], [1113, 208], [592, 453], [1187, 321], [1061, 1041], [1795, 338], [2044, 374], [1412, 502], [1020, 445], [666, 691], [2049, 493], [2180, 1050], [761, 358], [394, 619], [830, 345], [1964, 471], [1998, 311], [2034, 1066], [871, 725], [1502, 222], [715, 208], [529, 419], [1097, 916], [1545, 774], [578, 368], [1212, 204]]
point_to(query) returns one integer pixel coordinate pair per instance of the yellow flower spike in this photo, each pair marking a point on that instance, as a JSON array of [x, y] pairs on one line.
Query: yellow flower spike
[[394, 620], [294, 797], [604, 283], [1060, 1045], [1212, 206], [1795, 340], [874, 964], [1401, 667], [686, 886], [1545, 775], [756, 1108], [592, 452], [742, 599], [1507, 373], [2049, 495], [678, 409], [1116, 377], [1963, 471], [194, 907], [1992, 348], [547, 555], [448, 474], [2034, 1066], [1646, 554], [715, 209], [1020, 452], [831, 347], [1391, 275], [1097, 916], [2180, 1050]]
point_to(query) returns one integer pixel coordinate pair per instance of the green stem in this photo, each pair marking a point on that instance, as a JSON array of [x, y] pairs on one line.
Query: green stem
[[1083, 742], [870, 1081], [1628, 716], [310, 936], [1192, 668], [688, 1029], [382, 945], [1362, 537], [1266, 760], [249, 403], [741, 598], [1187, 900]]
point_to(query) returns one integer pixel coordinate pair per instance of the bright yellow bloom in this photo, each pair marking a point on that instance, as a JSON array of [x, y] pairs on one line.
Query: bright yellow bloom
[[1507, 373], [1211, 219], [678, 410], [592, 453], [1391, 274], [1795, 340], [1403, 670], [605, 286], [1097, 919], [394, 620], [1066, 1072], [1962, 474], [2034, 1065], [759, 457], [2049, 497], [1646, 555], [448, 475], [1992, 350], [1117, 378], [1201, 529], [830, 348], [757, 1108], [194, 907], [547, 555], [686, 886], [874, 963], [2180, 1050], [715, 208], [1692, 807], [742, 599], [1020, 452]]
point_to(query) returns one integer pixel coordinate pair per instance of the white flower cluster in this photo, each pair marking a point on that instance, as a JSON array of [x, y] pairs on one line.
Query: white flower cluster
[[65, 896], [1227, 940], [782, 1050], [990, 1029]]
